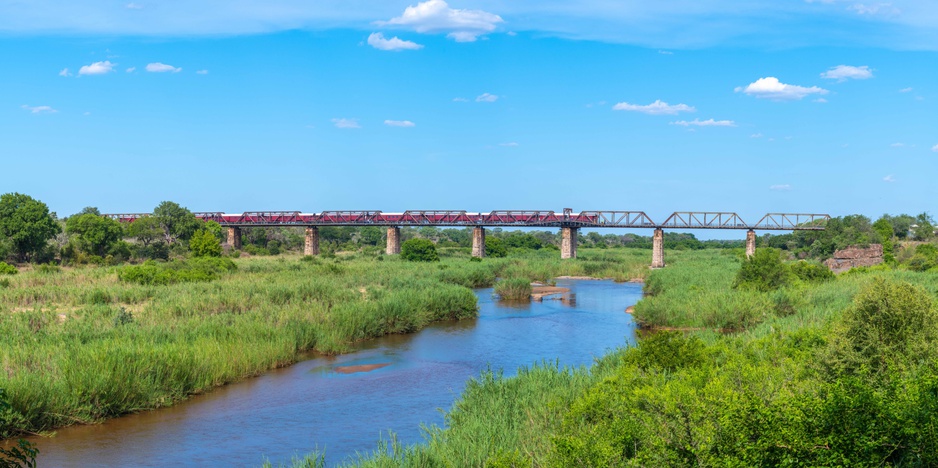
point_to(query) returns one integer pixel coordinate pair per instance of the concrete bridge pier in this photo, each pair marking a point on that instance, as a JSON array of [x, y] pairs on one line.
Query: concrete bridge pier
[[750, 243], [657, 249], [568, 242], [394, 241], [311, 246], [478, 242], [234, 238]]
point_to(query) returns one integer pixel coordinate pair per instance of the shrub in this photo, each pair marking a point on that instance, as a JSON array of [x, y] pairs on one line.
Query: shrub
[[514, 289], [419, 250], [7, 269], [204, 244], [494, 247], [666, 351], [811, 272], [765, 271]]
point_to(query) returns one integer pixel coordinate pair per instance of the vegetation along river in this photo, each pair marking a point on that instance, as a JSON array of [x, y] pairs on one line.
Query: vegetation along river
[[343, 405]]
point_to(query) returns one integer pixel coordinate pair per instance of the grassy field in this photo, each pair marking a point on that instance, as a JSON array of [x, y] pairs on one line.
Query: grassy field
[[78, 345], [838, 373]]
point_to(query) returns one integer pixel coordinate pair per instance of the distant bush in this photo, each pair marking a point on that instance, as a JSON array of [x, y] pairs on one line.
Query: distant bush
[[765, 271], [7, 269], [811, 272], [419, 250], [194, 270], [204, 244], [47, 269], [494, 247]]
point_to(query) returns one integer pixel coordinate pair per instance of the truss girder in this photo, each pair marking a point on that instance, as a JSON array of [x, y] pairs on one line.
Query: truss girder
[[509, 218]]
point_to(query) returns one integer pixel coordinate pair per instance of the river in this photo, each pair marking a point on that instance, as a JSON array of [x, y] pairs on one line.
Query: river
[[345, 404]]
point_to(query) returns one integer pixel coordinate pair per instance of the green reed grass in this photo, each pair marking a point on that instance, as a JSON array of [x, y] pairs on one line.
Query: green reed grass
[[70, 354]]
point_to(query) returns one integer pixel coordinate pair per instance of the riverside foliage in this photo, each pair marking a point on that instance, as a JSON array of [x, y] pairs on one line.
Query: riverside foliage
[[818, 373], [81, 344]]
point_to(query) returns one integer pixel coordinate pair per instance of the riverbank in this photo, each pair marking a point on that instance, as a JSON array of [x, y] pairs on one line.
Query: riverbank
[[80, 345], [834, 373]]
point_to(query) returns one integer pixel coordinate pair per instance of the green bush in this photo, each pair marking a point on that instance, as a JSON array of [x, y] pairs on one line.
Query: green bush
[[811, 272], [419, 250], [192, 271], [765, 271], [7, 269], [494, 247], [205, 244]]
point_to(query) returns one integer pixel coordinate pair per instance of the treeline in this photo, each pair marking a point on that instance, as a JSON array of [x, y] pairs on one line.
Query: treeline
[[856, 230]]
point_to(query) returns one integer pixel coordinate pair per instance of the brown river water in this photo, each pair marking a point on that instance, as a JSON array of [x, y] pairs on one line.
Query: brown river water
[[344, 405]]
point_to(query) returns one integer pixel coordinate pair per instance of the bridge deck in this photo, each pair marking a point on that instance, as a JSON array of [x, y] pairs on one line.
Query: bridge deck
[[510, 218]]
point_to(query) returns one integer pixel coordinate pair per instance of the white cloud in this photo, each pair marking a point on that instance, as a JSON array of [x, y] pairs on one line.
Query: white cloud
[[843, 73], [131, 69], [780, 187], [656, 108], [97, 68], [771, 88], [872, 9], [890, 178], [756, 135], [133, 6], [435, 16], [905, 90], [510, 144], [459, 99], [399, 123], [820, 100], [705, 123], [665, 52], [486, 97], [39, 109], [935, 148], [64, 72], [158, 67], [378, 41], [201, 72], [346, 123]]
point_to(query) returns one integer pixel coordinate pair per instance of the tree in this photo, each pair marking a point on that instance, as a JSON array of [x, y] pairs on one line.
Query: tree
[[146, 230], [494, 247], [419, 250], [177, 222], [27, 223], [764, 271], [204, 244], [371, 235], [924, 227], [96, 234]]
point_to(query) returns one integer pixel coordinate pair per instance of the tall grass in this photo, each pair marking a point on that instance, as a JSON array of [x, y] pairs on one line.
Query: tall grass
[[78, 345], [514, 289]]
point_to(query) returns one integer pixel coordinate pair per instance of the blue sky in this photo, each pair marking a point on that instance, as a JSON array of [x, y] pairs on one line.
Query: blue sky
[[753, 107]]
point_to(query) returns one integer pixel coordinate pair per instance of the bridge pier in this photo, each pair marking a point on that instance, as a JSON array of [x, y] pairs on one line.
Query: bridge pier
[[657, 249], [311, 246], [234, 237], [393, 241], [568, 242], [750, 243], [478, 242]]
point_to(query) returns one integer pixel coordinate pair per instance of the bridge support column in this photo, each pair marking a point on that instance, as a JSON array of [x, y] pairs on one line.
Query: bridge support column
[[568, 242], [311, 247], [234, 238], [750, 243], [478, 242], [657, 249], [394, 241]]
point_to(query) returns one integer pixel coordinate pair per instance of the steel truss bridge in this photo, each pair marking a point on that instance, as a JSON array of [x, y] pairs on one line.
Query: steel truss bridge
[[510, 218]]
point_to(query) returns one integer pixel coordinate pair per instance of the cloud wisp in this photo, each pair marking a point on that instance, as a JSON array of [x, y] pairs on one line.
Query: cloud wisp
[[705, 123], [771, 88], [39, 109], [658, 107], [159, 67], [436, 16], [394, 44], [97, 68], [399, 123], [890, 178], [780, 187], [843, 73], [486, 97], [346, 123]]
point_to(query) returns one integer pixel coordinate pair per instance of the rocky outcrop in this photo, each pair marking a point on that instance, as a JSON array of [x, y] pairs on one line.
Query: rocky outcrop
[[854, 256]]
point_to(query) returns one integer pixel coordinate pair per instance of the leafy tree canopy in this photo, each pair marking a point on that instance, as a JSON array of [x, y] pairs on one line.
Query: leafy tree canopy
[[27, 223], [177, 221], [419, 250], [96, 234], [205, 244]]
